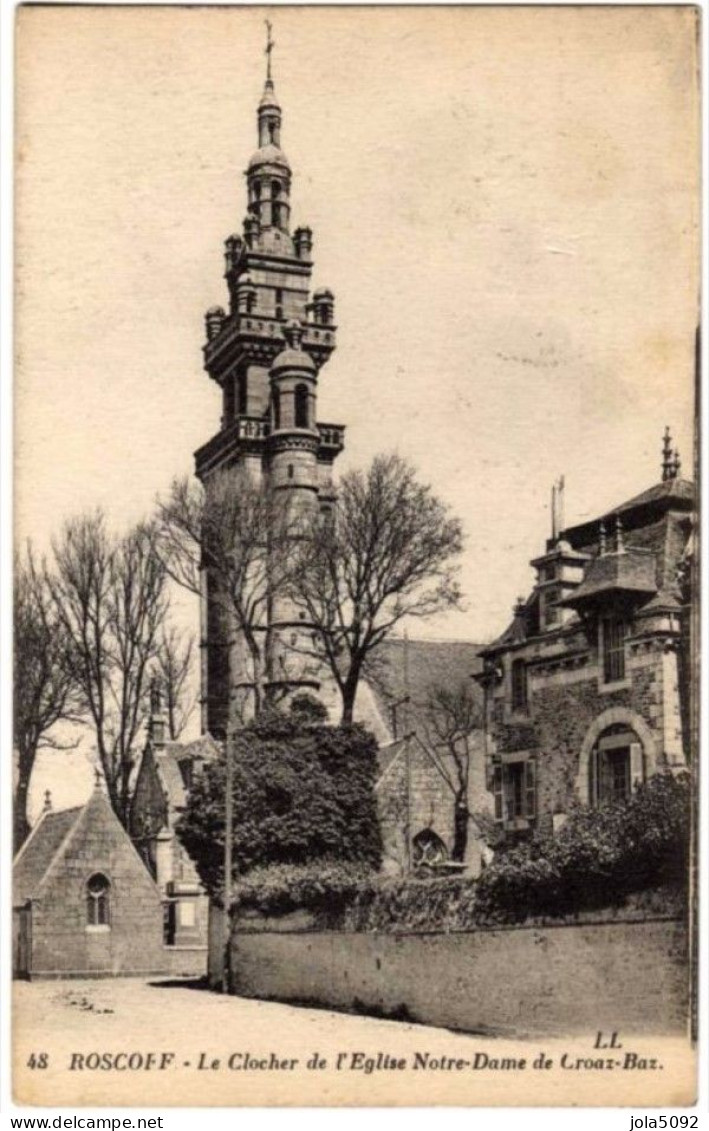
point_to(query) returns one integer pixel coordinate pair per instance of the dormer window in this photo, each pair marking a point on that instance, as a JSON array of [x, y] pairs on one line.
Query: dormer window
[[612, 631]]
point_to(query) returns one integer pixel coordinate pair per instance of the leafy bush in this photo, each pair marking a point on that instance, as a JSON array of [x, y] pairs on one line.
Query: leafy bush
[[323, 886], [598, 858], [301, 793]]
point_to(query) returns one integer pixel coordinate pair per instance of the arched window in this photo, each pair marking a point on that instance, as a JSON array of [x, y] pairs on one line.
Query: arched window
[[301, 406], [98, 901], [275, 190], [429, 849], [276, 409], [616, 766]]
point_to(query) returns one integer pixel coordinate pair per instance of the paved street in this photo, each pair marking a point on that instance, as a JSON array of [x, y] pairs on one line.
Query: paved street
[[160, 1043]]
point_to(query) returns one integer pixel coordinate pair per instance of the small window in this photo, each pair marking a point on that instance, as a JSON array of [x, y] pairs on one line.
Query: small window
[[519, 685], [98, 901], [613, 632], [279, 303], [276, 409], [514, 791], [301, 406], [242, 394], [290, 470], [228, 401]]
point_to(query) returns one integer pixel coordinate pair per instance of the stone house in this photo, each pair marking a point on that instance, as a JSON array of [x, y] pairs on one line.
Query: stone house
[[165, 775], [83, 902], [586, 691]]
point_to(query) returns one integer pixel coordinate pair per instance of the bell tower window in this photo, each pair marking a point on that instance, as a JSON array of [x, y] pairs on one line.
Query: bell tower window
[[279, 303], [243, 395], [301, 406]]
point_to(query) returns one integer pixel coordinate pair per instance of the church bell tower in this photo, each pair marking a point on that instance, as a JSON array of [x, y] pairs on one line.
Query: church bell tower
[[266, 351]]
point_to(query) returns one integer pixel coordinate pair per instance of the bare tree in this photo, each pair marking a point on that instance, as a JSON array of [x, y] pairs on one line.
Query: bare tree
[[451, 717], [386, 552], [240, 533], [45, 691], [111, 599], [173, 663]]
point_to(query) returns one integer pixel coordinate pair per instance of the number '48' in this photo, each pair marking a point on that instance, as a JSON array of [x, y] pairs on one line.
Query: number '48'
[[38, 1060]]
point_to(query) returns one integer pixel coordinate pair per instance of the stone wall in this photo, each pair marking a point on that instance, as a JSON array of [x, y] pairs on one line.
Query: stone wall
[[566, 701], [63, 944], [629, 976]]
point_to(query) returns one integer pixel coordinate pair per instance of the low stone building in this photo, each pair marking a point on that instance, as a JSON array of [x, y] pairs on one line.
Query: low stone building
[[586, 692], [165, 775], [84, 903]]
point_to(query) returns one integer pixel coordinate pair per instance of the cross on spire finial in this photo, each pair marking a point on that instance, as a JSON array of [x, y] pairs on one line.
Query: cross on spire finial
[[666, 455], [270, 44]]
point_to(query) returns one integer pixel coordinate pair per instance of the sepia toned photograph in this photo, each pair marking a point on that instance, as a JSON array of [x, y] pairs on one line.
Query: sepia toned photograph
[[356, 556]]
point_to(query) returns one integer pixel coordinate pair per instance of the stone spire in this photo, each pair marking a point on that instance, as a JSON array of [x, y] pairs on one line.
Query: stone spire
[[268, 173]]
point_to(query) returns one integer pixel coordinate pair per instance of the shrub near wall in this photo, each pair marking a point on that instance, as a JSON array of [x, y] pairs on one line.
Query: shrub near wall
[[632, 856], [301, 793]]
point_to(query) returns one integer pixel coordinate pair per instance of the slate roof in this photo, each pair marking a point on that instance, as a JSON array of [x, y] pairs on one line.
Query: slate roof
[[657, 520], [633, 571], [430, 663], [168, 760], [39, 850]]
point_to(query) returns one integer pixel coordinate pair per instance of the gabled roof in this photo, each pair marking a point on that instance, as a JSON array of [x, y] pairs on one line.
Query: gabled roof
[[37, 853], [657, 521], [53, 836], [169, 758], [428, 664]]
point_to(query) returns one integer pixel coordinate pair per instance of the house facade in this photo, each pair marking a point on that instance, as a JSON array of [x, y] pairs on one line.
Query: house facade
[[586, 692], [84, 904]]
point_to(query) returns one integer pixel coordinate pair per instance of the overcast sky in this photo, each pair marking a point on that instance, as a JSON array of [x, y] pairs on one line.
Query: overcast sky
[[504, 202]]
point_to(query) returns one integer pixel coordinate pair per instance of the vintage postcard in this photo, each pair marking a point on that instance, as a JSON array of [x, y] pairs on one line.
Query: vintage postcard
[[356, 556]]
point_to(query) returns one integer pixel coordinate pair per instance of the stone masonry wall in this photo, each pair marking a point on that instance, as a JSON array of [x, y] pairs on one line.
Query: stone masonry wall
[[563, 705], [61, 942], [631, 977]]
